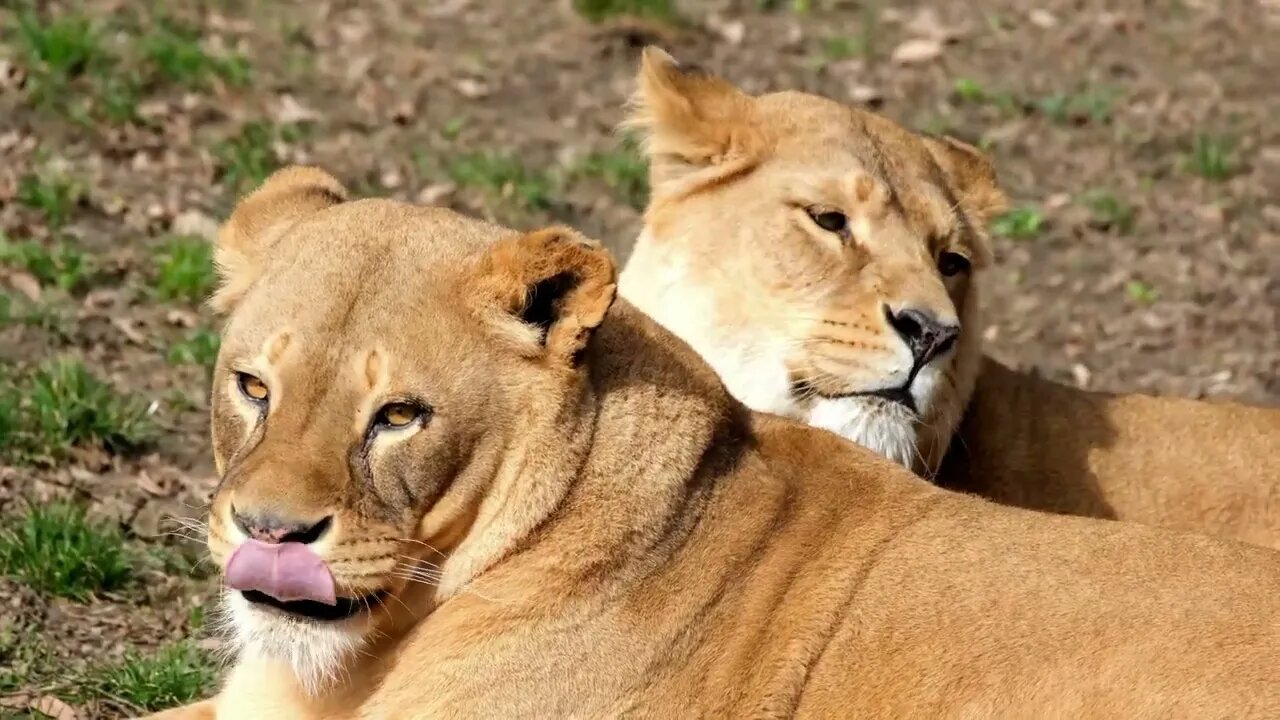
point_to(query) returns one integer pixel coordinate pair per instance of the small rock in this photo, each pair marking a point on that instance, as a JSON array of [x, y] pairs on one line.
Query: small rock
[[391, 179], [731, 31], [181, 318], [917, 51], [1081, 375], [436, 193], [471, 88], [865, 94], [1057, 201], [194, 223], [1043, 19]]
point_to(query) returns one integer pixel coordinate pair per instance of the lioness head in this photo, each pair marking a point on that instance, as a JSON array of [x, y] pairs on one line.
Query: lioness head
[[391, 383], [820, 257]]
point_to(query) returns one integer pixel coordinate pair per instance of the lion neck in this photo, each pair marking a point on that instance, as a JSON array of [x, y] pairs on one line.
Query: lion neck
[[602, 480]]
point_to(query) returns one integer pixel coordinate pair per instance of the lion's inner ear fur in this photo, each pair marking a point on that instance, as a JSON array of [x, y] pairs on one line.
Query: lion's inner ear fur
[[552, 288], [289, 195], [692, 120]]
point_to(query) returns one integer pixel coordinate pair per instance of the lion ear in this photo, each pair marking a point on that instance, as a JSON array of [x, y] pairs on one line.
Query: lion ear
[[972, 177], [260, 218], [691, 119], [551, 289]]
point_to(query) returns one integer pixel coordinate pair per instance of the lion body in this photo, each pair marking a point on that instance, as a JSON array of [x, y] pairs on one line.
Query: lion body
[[785, 314], [1202, 466], [610, 533]]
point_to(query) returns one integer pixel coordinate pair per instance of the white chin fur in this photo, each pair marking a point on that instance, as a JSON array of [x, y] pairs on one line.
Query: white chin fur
[[885, 428], [317, 652]]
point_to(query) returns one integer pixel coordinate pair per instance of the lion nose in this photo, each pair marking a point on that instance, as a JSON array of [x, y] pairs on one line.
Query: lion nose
[[270, 528], [925, 335]]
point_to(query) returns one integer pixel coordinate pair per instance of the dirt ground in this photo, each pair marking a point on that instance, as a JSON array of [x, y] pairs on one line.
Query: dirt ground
[[1138, 140]]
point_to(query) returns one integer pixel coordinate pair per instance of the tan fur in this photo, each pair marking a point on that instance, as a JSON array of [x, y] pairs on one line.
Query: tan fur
[[613, 535], [730, 268]]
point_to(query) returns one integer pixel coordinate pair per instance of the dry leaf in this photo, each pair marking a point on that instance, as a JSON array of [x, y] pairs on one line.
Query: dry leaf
[[126, 328], [290, 111], [150, 486], [920, 50], [436, 193], [27, 284], [53, 707]]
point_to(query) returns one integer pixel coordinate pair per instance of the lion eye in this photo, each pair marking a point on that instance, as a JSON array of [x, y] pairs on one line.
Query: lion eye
[[950, 264], [830, 220], [252, 387], [398, 415]]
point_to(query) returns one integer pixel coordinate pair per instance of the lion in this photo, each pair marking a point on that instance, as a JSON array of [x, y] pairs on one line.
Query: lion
[[458, 479], [824, 260]]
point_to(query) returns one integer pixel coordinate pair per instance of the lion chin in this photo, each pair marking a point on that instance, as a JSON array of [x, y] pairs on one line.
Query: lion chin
[[315, 651]]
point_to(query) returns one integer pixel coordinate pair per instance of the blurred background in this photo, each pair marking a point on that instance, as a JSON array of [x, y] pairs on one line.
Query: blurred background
[[1138, 141]]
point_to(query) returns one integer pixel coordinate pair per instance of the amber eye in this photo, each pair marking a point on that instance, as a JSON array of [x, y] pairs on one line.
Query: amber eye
[[252, 387], [398, 415], [950, 264], [830, 220]]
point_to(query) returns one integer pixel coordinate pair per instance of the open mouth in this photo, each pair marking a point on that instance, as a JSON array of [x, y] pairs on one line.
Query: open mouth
[[343, 608]]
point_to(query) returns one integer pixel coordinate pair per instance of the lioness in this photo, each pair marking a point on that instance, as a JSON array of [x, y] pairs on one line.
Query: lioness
[[456, 483], [822, 259]]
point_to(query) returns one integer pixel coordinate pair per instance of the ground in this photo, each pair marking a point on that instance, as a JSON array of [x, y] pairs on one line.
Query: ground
[[1138, 141]]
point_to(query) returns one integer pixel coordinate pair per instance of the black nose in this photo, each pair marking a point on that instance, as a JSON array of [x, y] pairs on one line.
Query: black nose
[[273, 529], [924, 334]]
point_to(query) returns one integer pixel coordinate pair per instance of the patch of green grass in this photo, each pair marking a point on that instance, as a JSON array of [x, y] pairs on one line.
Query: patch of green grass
[[248, 157], [198, 347], [175, 53], [453, 128], [54, 195], [1020, 223], [58, 405], [176, 675], [43, 315], [1141, 292], [117, 96], [600, 10], [623, 169], [503, 176], [969, 90], [62, 265], [1110, 212], [1212, 157], [56, 550], [58, 48], [842, 47], [1095, 104], [184, 269], [25, 661]]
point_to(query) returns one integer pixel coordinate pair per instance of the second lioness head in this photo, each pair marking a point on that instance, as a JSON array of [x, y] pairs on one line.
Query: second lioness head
[[821, 257]]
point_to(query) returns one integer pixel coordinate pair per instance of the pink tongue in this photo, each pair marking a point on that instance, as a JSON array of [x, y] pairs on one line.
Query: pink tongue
[[285, 571]]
